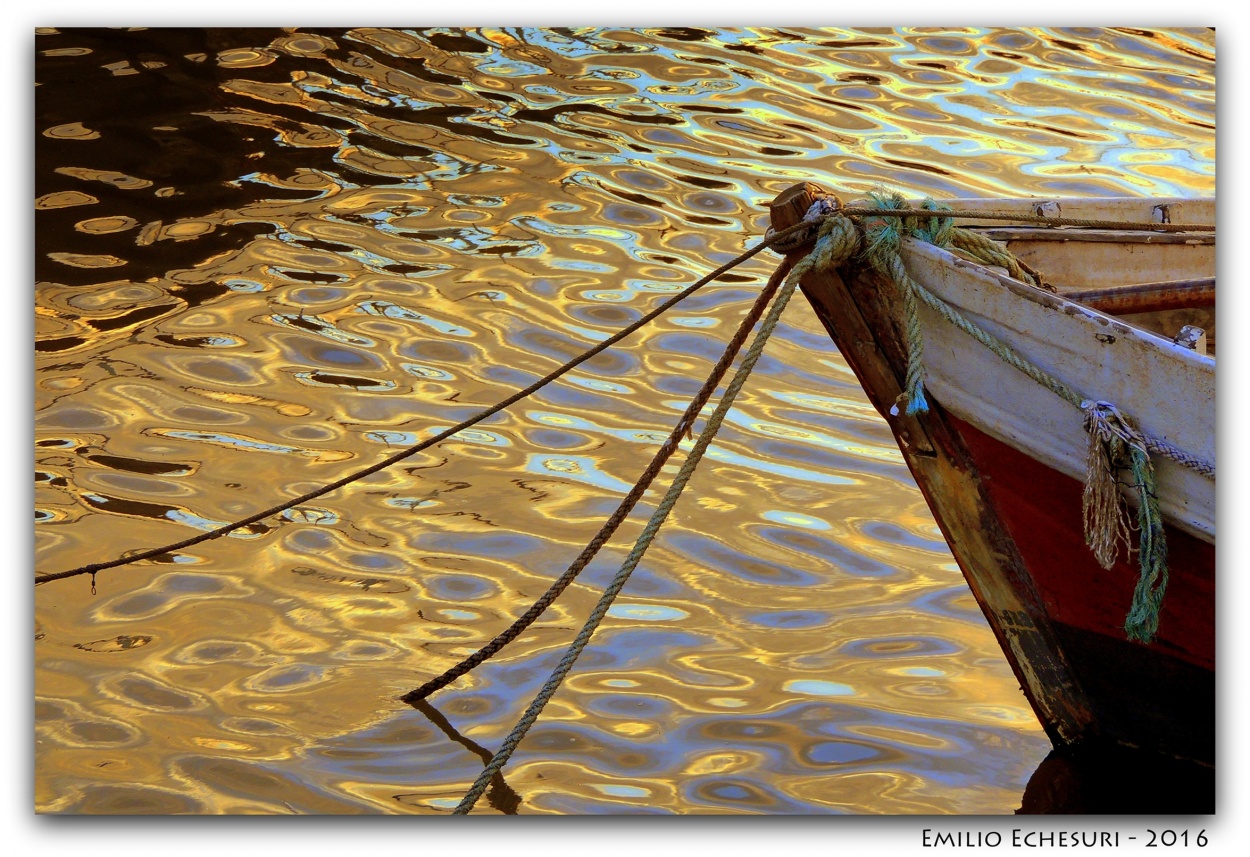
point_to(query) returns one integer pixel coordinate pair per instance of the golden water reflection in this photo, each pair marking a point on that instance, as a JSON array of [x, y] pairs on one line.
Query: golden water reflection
[[300, 251]]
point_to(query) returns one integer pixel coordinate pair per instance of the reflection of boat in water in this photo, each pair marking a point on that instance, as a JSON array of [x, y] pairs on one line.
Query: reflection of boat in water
[[1001, 458]]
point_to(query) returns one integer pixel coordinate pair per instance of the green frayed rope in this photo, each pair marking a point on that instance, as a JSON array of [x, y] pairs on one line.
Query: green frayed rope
[[1142, 622], [883, 236]]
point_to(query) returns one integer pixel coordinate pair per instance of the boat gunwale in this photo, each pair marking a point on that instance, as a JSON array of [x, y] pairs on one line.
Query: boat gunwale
[[1200, 211], [1059, 303]]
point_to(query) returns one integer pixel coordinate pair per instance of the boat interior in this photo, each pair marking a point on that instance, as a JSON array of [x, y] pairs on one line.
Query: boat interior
[[1161, 282]]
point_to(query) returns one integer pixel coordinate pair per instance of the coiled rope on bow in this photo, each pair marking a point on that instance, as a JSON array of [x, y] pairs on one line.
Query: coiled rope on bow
[[836, 241], [1113, 443]]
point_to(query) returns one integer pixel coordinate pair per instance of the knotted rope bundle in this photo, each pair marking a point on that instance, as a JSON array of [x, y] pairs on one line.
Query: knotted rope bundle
[[1114, 445], [882, 242], [1106, 524]]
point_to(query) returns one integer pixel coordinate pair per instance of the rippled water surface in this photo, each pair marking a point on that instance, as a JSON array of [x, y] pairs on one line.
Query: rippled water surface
[[267, 257]]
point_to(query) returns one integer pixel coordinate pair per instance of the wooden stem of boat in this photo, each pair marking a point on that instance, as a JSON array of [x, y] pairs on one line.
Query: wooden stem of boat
[[851, 312], [1147, 297]]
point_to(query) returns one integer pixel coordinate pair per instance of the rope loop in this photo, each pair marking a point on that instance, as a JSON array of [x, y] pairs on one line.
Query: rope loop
[[935, 230], [882, 233], [837, 241], [883, 236]]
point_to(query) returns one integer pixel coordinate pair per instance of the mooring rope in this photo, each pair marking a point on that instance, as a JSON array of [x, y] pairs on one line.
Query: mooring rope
[[834, 232], [662, 455], [408, 452]]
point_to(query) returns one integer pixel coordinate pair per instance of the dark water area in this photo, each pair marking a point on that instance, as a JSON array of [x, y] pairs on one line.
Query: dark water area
[[1110, 780], [153, 121], [265, 258]]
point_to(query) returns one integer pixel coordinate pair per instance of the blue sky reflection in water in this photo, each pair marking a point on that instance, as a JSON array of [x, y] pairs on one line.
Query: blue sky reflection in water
[[265, 257]]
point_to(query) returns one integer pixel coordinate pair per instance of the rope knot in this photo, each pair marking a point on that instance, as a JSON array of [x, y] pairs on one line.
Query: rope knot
[[815, 215], [934, 230], [837, 241], [1105, 419], [823, 206]]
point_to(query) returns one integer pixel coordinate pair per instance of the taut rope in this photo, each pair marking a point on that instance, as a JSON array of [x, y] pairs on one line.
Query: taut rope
[[622, 511], [425, 444]]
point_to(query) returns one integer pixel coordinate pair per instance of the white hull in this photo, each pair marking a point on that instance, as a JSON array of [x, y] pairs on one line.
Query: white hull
[[1168, 391]]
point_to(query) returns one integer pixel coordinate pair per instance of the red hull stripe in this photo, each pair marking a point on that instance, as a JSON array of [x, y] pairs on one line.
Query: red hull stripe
[[1041, 509]]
